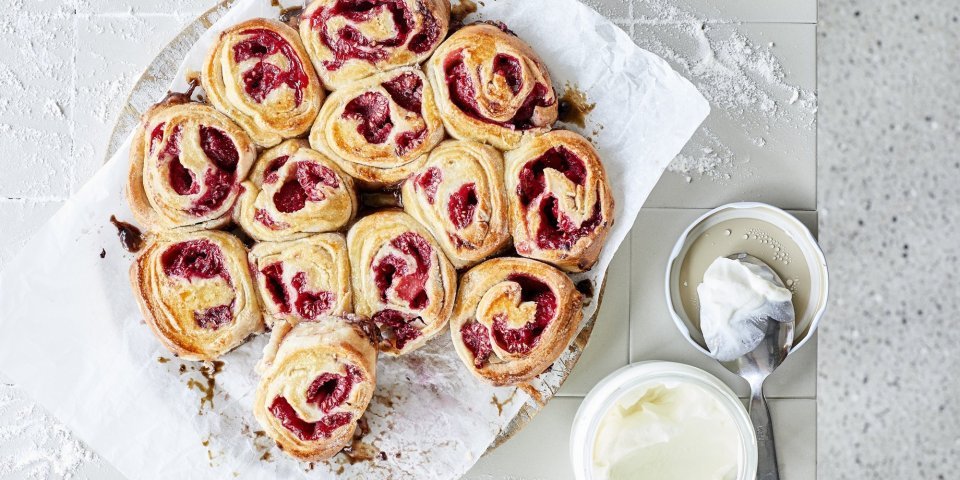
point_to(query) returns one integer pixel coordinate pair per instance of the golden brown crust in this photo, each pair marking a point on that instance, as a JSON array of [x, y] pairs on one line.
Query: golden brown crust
[[378, 27], [459, 195], [338, 348], [269, 116], [510, 103], [586, 204], [302, 279], [174, 306], [267, 208], [505, 290], [401, 279], [344, 133], [154, 201]]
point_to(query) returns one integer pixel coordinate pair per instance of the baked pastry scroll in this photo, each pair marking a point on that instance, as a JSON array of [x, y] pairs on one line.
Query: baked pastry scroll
[[401, 280], [561, 206], [316, 382], [378, 129], [352, 39], [294, 192], [513, 319], [491, 87], [258, 73], [196, 294], [301, 280], [186, 164], [459, 195]]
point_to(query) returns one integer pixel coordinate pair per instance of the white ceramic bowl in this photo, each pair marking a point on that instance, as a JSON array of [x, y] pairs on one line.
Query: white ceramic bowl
[[640, 375], [812, 256]]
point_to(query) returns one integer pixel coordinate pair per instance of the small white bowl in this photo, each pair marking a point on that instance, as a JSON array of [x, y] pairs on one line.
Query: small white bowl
[[796, 231], [608, 392]]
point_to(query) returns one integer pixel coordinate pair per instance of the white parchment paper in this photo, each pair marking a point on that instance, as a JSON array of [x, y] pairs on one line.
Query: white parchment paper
[[72, 337]]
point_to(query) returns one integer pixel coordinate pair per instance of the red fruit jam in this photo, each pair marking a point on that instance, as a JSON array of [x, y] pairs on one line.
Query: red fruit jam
[[463, 93], [310, 304], [476, 338], [265, 219], [532, 181], [305, 186], [214, 318], [273, 276], [401, 325], [407, 91], [271, 174], [219, 185], [330, 390], [200, 259], [348, 43], [304, 430], [557, 231], [373, 111], [428, 182], [264, 77], [463, 206], [406, 280], [509, 68], [523, 339], [219, 149]]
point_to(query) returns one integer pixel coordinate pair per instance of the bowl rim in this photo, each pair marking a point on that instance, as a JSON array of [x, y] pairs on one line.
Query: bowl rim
[[819, 259]]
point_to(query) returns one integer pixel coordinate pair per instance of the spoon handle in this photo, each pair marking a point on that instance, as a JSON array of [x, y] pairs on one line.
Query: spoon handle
[[767, 468]]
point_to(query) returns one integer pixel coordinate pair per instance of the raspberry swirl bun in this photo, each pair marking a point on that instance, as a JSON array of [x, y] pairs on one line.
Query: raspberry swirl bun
[[196, 294], [491, 87], [186, 164], [294, 192], [561, 207], [460, 197], [352, 39], [514, 317], [378, 129], [401, 280], [303, 279], [317, 379], [260, 76]]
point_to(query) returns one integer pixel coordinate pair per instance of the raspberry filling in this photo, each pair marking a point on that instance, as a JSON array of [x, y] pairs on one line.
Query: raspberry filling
[[263, 77], [304, 430], [265, 219], [462, 206], [509, 68], [399, 324], [428, 182], [272, 172], [218, 147], [305, 186], [330, 390], [218, 182], [308, 304], [463, 93], [348, 43], [214, 318], [557, 231], [476, 338], [532, 181], [407, 281], [194, 259], [407, 91], [372, 110], [522, 340], [407, 141]]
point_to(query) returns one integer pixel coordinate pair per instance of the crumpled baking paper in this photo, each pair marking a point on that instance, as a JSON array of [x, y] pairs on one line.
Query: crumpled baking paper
[[73, 338]]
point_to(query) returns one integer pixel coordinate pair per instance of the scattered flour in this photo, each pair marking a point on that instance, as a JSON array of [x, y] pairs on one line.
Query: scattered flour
[[744, 81]]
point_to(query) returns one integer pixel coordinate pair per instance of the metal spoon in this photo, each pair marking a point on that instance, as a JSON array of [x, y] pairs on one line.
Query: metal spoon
[[756, 366]]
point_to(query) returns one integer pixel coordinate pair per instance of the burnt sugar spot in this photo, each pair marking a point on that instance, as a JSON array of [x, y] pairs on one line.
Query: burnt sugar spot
[[130, 236], [208, 387], [574, 106]]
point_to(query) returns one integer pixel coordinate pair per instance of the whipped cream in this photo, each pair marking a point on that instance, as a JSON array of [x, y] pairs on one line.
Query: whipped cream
[[666, 431], [737, 299]]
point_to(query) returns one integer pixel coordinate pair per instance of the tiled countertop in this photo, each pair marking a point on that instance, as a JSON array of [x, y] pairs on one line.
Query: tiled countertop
[[77, 60]]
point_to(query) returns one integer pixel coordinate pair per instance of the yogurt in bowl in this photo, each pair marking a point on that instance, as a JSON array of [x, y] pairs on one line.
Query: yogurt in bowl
[[663, 421]]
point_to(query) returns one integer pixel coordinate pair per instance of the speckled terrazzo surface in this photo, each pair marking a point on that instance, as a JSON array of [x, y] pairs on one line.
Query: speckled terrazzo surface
[[889, 394]]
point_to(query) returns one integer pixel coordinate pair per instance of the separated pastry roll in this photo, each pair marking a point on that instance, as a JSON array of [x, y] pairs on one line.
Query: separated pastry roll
[[378, 129], [186, 164], [561, 207], [353, 39], [459, 196], [294, 192], [401, 280], [258, 73], [302, 279], [513, 319], [196, 294], [316, 381], [491, 87]]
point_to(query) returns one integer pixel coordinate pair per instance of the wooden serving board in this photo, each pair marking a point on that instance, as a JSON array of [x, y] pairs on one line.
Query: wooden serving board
[[152, 86]]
